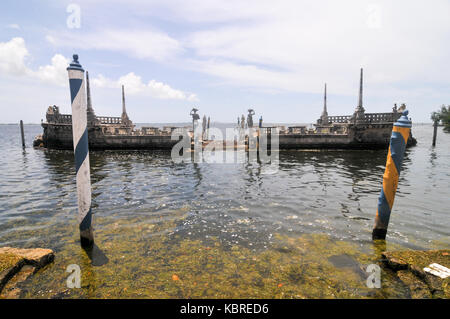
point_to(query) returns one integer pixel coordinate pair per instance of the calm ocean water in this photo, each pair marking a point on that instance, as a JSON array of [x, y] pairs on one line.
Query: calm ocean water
[[332, 193]]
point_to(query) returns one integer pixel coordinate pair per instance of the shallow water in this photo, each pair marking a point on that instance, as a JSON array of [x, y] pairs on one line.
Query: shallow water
[[221, 230]]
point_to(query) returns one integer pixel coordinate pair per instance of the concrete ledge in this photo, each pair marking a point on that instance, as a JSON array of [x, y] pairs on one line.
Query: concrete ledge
[[16, 265], [409, 266]]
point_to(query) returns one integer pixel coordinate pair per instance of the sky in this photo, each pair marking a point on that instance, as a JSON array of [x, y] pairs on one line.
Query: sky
[[224, 57]]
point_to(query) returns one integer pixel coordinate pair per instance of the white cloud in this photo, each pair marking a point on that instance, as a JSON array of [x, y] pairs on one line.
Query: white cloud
[[301, 45], [13, 56], [50, 39], [103, 82], [135, 43], [298, 45], [261, 45], [12, 62], [56, 72], [134, 85], [13, 26]]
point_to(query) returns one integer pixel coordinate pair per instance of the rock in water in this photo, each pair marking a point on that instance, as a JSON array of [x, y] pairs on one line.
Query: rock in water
[[38, 141], [17, 264], [409, 266]]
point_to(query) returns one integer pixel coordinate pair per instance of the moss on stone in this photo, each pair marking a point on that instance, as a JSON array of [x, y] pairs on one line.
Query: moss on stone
[[409, 265], [150, 260], [146, 263], [8, 261]]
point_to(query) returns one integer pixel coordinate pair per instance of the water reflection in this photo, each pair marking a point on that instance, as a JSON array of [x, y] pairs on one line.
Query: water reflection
[[197, 175], [148, 207], [333, 192]]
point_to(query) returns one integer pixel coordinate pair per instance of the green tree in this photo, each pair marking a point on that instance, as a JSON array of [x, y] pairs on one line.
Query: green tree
[[442, 116]]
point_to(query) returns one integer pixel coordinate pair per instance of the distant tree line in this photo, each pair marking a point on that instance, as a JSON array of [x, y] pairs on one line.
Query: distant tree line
[[442, 116]]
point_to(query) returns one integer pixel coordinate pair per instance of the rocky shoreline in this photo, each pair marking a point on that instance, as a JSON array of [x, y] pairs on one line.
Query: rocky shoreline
[[409, 267], [17, 265]]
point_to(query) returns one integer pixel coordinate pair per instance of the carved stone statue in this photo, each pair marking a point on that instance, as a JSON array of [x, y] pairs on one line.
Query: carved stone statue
[[194, 114], [52, 114], [195, 118], [250, 117]]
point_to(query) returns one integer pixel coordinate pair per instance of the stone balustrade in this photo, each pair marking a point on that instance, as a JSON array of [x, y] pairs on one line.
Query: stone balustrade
[[389, 117], [59, 118], [339, 119], [379, 117], [67, 119], [109, 120]]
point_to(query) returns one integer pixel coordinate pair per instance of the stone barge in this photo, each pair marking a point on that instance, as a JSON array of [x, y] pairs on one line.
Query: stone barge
[[104, 132], [360, 130]]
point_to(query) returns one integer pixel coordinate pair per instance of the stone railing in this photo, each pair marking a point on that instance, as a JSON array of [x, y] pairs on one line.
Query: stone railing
[[109, 120], [67, 119], [297, 129], [389, 117], [146, 130], [339, 119], [268, 130], [379, 117], [59, 118]]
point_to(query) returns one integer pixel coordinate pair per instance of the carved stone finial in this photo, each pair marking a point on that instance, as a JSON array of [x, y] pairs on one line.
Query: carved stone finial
[[75, 65], [403, 121], [358, 115], [194, 114], [324, 116], [360, 100]]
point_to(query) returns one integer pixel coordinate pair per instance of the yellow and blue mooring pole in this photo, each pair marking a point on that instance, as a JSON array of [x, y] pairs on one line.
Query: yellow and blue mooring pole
[[81, 150], [397, 146]]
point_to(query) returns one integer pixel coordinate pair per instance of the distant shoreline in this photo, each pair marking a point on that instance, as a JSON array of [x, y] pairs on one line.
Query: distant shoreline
[[222, 123]]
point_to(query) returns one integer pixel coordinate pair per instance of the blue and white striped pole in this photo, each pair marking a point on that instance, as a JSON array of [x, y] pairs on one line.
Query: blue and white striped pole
[[81, 150]]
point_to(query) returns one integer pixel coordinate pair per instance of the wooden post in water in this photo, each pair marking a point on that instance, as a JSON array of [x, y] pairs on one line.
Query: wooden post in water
[[81, 150], [435, 126], [399, 138], [22, 134], [207, 128]]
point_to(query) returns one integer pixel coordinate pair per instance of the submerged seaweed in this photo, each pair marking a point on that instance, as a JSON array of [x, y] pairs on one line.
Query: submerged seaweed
[[148, 261]]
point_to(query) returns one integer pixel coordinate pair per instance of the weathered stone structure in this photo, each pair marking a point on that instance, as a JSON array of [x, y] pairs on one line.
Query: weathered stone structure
[[360, 130], [410, 268], [105, 132], [17, 265], [250, 118]]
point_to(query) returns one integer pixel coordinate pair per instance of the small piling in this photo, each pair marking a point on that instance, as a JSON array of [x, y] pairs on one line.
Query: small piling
[[204, 128], [435, 126], [22, 134], [397, 145], [207, 129], [81, 151]]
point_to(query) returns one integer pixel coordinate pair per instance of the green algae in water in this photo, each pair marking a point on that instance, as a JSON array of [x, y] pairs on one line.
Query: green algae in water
[[146, 262], [8, 260]]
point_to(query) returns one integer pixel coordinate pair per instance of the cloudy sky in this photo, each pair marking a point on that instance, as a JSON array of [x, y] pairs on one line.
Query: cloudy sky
[[224, 57]]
